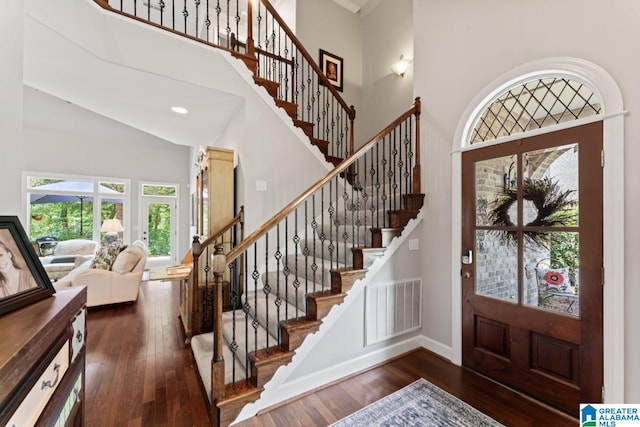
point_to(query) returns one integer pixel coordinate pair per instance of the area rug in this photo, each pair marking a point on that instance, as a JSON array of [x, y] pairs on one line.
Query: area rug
[[418, 404]]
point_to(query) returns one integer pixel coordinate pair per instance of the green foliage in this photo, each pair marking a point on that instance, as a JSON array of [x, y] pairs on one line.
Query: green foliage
[[61, 220], [566, 251], [159, 229]]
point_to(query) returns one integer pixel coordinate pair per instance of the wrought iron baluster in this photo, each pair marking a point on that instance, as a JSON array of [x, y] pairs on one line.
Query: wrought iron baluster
[[356, 239], [185, 13], [266, 288], [330, 224], [296, 280], [246, 307], [377, 185], [228, 24], [286, 269], [336, 222], [314, 229], [323, 235], [237, 21], [207, 22], [255, 275], [217, 27], [403, 175], [207, 306], [345, 200], [365, 196], [278, 301], [392, 171], [197, 2], [306, 254]]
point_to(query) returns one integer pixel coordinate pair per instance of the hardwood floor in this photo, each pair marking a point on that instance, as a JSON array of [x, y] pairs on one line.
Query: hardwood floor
[[140, 374]]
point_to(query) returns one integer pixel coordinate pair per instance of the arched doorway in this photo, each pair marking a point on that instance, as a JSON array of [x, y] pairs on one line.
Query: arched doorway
[[611, 117]]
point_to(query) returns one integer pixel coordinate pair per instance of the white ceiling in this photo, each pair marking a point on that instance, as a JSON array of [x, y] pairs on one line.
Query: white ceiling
[[353, 5], [134, 97]]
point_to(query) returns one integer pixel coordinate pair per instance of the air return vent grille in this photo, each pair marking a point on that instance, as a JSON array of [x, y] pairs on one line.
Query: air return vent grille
[[392, 309]]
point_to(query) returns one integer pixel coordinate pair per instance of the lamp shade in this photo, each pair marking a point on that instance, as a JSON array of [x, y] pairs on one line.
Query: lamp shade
[[112, 226]]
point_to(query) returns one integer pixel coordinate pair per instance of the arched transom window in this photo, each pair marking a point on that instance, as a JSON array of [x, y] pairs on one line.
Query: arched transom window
[[533, 105]]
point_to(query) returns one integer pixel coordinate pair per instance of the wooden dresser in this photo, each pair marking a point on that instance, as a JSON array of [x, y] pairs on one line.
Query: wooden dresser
[[42, 362]]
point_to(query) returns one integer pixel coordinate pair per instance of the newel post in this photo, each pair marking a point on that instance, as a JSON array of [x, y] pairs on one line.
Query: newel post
[[219, 264], [417, 174], [196, 302]]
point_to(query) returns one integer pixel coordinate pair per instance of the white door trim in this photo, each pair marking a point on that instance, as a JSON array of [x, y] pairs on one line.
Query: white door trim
[[613, 141]]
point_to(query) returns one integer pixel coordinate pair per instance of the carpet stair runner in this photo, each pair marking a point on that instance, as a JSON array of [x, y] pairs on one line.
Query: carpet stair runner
[[258, 356]]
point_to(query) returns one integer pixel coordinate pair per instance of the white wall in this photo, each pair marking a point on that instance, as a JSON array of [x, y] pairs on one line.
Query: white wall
[[62, 138], [11, 41], [322, 24], [460, 48], [387, 33]]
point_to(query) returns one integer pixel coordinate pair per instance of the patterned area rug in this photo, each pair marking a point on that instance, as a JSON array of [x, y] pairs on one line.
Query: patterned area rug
[[418, 404]]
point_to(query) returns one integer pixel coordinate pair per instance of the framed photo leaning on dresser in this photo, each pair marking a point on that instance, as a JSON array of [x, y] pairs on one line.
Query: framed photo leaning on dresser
[[22, 277]]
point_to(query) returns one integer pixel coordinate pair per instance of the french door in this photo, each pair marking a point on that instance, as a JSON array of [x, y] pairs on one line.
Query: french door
[[159, 229], [532, 265]]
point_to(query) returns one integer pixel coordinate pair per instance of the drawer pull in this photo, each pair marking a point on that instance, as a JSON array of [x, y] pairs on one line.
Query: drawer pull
[[50, 384], [79, 336]]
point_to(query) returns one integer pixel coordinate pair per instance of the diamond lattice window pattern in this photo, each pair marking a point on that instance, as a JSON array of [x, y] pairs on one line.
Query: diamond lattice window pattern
[[533, 105]]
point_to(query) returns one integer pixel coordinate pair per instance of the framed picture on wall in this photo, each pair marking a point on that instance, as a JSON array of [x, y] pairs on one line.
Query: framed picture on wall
[[332, 67], [22, 277]]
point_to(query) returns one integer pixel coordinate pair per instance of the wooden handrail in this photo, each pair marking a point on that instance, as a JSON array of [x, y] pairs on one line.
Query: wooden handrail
[[224, 228], [253, 237], [350, 110]]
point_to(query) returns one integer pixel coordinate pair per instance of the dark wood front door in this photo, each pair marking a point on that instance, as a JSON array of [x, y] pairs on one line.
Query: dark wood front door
[[532, 265]]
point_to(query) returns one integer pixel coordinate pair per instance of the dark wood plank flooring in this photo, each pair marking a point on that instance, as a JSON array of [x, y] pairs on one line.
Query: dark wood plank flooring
[[140, 374]]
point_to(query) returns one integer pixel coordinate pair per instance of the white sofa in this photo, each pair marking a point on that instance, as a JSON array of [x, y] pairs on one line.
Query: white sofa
[[67, 255], [119, 284]]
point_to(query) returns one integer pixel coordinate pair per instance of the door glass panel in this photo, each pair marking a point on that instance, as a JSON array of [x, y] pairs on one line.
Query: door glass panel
[[496, 266], [159, 229], [550, 188], [495, 178], [552, 274]]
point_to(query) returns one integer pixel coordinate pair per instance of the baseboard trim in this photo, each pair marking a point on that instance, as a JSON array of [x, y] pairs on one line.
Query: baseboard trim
[[324, 377]]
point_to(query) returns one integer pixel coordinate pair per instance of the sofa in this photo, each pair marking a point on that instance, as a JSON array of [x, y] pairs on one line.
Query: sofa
[[120, 283], [67, 255]]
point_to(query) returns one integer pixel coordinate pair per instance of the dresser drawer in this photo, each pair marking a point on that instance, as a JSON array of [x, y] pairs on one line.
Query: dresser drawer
[[78, 333], [31, 407]]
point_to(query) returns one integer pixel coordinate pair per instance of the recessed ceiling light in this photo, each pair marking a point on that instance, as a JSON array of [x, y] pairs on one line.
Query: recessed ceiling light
[[179, 110]]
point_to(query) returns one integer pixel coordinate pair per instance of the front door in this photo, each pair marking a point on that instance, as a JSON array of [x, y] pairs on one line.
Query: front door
[[532, 265]]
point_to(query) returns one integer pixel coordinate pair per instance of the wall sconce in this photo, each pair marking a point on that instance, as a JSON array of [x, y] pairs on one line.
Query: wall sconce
[[400, 66]]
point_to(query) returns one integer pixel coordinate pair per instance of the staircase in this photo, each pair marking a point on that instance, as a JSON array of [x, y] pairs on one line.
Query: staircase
[[282, 280], [301, 263]]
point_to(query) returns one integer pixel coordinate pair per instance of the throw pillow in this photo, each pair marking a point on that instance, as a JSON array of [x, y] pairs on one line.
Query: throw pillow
[[127, 259], [557, 279], [105, 256]]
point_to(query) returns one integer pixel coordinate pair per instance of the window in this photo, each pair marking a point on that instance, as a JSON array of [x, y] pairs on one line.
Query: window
[[66, 208], [533, 105]]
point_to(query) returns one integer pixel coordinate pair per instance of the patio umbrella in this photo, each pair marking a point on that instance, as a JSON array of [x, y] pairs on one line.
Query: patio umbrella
[[70, 186]]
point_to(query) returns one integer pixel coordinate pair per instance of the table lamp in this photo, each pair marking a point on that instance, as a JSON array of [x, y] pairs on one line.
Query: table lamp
[[111, 228]]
